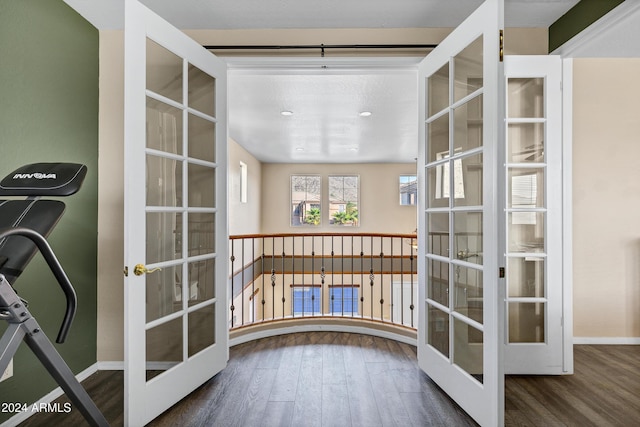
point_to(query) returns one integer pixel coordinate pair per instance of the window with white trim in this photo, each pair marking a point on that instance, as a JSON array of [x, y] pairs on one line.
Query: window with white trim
[[306, 300], [344, 200], [343, 300], [305, 200]]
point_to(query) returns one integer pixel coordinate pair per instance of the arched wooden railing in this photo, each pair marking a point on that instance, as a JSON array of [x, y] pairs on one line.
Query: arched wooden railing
[[362, 276]]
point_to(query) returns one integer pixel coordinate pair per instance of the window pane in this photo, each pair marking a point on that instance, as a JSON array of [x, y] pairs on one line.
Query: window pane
[[526, 231], [526, 143], [468, 236], [202, 139], [438, 281], [438, 139], [468, 292], [438, 331], [467, 181], [343, 301], [467, 121], [526, 188], [163, 292], [164, 71], [526, 97], [343, 200], [438, 237], [468, 70], [163, 237], [468, 348], [526, 277], [408, 190], [202, 326], [306, 301], [164, 127], [202, 89], [202, 186], [164, 181], [305, 200], [438, 87], [526, 322]]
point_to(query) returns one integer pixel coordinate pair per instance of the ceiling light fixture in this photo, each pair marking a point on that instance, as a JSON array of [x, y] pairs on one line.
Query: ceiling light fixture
[[365, 114], [286, 113], [299, 149]]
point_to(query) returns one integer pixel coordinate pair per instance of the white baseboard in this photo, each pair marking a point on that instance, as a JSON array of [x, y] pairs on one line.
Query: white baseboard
[[606, 340], [110, 366], [48, 398]]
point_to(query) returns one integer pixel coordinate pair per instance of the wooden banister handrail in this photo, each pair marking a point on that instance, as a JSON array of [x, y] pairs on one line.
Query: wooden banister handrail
[[280, 235]]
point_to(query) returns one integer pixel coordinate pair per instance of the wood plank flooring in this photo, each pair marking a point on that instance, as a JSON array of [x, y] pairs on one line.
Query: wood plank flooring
[[341, 379]]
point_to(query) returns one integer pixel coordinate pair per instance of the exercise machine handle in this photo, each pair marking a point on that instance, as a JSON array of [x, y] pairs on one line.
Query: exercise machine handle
[[56, 269]]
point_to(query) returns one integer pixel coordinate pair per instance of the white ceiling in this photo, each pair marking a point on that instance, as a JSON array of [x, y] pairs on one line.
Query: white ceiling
[[326, 102]]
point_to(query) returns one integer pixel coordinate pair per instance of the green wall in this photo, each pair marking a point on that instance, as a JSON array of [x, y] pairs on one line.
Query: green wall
[[49, 112], [583, 14]]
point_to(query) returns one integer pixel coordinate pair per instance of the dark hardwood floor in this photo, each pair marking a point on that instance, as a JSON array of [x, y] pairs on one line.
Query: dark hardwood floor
[[341, 379]]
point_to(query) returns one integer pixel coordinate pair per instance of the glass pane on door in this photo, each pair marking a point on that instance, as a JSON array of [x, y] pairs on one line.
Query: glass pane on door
[[180, 294], [526, 176], [455, 220]]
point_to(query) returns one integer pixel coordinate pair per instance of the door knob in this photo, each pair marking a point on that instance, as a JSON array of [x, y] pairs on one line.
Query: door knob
[[140, 269]]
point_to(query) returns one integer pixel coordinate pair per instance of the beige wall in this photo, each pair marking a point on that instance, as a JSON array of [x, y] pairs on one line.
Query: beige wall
[[111, 198], [244, 218], [379, 208], [606, 198]]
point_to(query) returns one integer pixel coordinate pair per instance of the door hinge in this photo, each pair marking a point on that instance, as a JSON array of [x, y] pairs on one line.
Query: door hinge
[[501, 45], [501, 272]]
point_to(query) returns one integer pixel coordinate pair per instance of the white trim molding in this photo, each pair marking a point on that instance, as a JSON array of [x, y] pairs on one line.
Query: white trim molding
[[567, 215], [615, 35]]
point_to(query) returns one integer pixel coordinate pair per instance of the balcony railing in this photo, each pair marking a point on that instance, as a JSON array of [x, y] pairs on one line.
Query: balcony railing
[[362, 276]]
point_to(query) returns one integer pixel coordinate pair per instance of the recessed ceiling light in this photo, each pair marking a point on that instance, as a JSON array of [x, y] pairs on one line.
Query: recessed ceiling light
[[286, 113], [299, 149], [353, 149], [365, 114]]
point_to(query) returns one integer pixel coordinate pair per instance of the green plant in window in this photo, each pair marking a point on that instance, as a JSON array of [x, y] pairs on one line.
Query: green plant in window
[[312, 216], [348, 216]]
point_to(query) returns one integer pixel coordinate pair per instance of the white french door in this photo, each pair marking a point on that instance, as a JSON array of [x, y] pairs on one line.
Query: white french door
[[176, 238], [461, 89], [532, 181]]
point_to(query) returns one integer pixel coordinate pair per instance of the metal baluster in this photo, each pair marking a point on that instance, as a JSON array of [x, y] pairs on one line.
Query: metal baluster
[[342, 274], [391, 280], [371, 276], [273, 278], [313, 274], [233, 258], [412, 306], [353, 299], [362, 275], [264, 292], [322, 280], [382, 278], [401, 284], [282, 273], [332, 296], [293, 278], [252, 306], [242, 283]]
